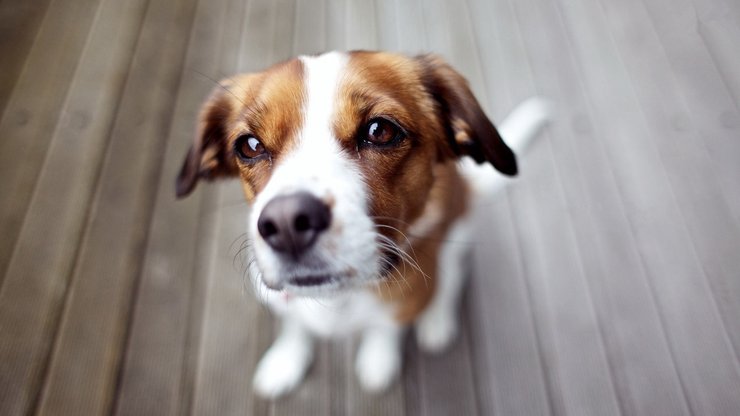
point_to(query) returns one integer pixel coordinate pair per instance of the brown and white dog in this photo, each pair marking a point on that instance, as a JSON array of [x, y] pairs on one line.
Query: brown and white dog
[[360, 206]]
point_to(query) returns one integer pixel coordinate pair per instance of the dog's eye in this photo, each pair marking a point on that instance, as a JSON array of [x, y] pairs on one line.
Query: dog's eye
[[382, 132], [249, 148]]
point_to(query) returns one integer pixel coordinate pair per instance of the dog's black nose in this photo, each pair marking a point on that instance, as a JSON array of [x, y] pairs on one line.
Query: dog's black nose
[[291, 223]]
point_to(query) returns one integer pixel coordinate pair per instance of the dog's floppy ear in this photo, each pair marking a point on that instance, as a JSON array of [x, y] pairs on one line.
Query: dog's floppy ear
[[470, 131], [208, 157]]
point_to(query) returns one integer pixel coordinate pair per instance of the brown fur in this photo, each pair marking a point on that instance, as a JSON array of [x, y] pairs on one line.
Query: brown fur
[[401, 180], [406, 288]]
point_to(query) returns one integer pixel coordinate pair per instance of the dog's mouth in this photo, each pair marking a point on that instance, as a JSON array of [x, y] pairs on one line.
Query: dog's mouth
[[316, 282], [389, 263], [312, 280]]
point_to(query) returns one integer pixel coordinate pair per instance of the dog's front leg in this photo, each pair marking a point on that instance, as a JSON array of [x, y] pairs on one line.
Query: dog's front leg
[[285, 363], [438, 325], [378, 361]]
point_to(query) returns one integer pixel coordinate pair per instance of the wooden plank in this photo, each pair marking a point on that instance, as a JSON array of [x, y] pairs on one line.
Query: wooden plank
[[58, 209], [644, 373], [675, 273], [714, 233], [208, 232], [154, 378], [19, 24], [386, 15], [567, 326], [96, 310], [32, 111], [718, 24], [713, 110], [236, 329], [409, 27], [34, 290], [509, 373], [511, 376], [361, 30], [578, 370], [310, 29], [712, 128], [336, 10]]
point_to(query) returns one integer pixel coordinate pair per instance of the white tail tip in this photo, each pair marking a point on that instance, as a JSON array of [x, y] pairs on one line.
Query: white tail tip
[[524, 122], [517, 130]]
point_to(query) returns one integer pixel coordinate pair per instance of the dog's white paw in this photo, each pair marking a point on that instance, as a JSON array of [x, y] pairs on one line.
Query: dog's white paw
[[377, 370], [280, 370], [378, 364], [436, 330]]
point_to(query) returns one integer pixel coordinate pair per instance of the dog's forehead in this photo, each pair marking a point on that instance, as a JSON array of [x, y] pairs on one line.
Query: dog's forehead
[[308, 112], [333, 90], [322, 75]]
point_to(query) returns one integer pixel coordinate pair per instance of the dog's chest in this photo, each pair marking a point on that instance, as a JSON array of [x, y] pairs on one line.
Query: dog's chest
[[344, 314]]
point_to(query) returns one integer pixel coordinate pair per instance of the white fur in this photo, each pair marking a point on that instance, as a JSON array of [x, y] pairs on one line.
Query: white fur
[[378, 361], [283, 366]]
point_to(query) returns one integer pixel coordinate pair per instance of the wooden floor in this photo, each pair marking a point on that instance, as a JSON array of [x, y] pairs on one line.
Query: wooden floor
[[607, 277]]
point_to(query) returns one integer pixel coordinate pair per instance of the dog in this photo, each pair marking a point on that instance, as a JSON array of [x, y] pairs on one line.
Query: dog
[[362, 170]]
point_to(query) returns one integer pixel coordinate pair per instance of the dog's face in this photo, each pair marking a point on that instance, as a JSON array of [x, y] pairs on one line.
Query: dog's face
[[336, 155]]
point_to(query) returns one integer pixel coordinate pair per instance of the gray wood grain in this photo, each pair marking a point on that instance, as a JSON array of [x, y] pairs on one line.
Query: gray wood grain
[[154, 370], [615, 276], [568, 327], [711, 134], [58, 211], [32, 111], [718, 24], [512, 377], [19, 25], [713, 110], [234, 330], [41, 264], [675, 273], [92, 330], [605, 279]]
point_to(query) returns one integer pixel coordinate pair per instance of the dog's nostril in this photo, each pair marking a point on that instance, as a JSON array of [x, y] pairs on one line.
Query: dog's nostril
[[267, 228], [301, 223]]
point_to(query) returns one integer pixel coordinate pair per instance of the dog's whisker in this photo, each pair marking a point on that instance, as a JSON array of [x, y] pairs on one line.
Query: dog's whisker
[[219, 84], [401, 275], [411, 246], [391, 246]]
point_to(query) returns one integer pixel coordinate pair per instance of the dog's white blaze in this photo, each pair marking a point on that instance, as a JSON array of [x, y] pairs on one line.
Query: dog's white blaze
[[318, 165]]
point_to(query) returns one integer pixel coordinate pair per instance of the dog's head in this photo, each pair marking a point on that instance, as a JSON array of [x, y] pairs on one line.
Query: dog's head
[[336, 155]]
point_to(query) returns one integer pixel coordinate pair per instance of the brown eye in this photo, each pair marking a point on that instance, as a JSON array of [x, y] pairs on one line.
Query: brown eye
[[249, 149], [382, 132]]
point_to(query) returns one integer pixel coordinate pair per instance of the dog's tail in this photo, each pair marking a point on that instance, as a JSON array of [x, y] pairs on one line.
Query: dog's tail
[[518, 130]]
